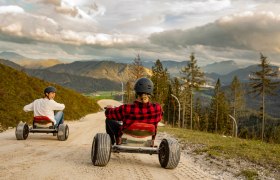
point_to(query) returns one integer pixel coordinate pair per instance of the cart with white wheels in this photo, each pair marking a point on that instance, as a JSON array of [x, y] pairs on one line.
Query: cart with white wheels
[[42, 124], [168, 150]]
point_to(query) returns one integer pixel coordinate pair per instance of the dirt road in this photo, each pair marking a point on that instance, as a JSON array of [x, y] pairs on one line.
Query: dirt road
[[42, 156]]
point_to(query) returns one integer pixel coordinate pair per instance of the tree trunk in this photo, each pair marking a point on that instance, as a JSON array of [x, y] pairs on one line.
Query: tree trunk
[[168, 106], [263, 120], [173, 124], [217, 113], [184, 107], [191, 109], [234, 107]]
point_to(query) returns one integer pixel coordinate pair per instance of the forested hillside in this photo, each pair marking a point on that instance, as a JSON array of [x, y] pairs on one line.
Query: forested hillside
[[227, 110], [18, 89]]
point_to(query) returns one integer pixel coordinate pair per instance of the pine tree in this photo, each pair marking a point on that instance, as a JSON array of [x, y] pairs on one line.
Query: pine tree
[[185, 97], [263, 84], [176, 92], [236, 100], [204, 124], [194, 77], [198, 114], [128, 93], [137, 70], [218, 120], [167, 106], [160, 79], [171, 104]]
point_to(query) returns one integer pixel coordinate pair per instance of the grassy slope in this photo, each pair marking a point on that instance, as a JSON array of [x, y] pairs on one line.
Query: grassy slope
[[17, 89], [216, 145]]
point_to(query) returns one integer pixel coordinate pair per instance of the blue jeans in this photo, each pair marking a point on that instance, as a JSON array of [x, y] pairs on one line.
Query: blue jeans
[[59, 118]]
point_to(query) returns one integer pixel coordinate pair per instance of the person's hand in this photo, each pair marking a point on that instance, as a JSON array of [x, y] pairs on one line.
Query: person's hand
[[109, 106]]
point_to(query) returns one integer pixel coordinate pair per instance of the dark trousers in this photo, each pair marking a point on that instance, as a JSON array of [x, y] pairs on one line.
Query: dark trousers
[[113, 128]]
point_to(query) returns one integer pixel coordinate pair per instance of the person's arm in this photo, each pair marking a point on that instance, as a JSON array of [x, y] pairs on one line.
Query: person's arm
[[57, 106], [115, 113], [158, 116], [29, 107], [158, 113]]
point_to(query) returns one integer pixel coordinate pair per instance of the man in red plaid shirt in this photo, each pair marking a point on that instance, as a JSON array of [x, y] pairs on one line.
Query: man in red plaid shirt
[[141, 111]]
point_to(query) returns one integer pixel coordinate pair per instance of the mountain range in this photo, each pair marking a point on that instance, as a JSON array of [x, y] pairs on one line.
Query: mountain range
[[89, 76], [174, 67], [221, 68], [97, 69], [78, 83], [27, 62]]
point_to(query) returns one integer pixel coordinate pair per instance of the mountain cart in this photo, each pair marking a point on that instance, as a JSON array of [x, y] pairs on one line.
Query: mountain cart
[[168, 150], [42, 124]]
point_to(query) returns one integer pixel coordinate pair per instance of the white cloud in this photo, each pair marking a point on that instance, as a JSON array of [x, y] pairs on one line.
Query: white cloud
[[41, 33], [217, 29], [249, 30], [15, 29], [77, 9], [10, 9], [195, 7], [42, 28]]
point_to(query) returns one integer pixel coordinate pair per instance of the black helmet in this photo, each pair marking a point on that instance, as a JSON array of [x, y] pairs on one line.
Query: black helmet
[[49, 89], [144, 85]]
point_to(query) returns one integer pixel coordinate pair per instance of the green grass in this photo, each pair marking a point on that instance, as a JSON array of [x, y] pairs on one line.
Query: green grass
[[18, 89], [227, 147], [104, 95], [249, 174]]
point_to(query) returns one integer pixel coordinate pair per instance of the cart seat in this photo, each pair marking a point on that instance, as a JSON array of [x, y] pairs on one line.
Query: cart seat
[[42, 122], [140, 130]]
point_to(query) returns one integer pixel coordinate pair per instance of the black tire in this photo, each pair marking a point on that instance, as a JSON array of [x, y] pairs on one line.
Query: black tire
[[101, 149], [63, 132], [22, 131], [169, 153]]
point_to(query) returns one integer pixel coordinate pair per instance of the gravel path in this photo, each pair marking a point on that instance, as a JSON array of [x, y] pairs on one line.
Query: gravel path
[[42, 156]]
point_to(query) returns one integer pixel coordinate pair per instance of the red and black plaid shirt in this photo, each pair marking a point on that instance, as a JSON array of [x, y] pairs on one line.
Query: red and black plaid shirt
[[150, 113]]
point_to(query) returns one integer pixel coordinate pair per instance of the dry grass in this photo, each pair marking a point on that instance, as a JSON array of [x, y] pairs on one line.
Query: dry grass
[[265, 154]]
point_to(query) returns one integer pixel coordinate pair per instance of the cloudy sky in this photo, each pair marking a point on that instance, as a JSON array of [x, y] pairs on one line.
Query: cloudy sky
[[215, 30]]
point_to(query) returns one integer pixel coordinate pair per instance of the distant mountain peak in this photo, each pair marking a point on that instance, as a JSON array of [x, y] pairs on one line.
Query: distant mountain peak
[[12, 56], [8, 53], [223, 62], [223, 67]]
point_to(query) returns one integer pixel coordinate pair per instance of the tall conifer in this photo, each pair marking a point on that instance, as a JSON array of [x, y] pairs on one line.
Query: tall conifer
[[263, 83], [194, 78]]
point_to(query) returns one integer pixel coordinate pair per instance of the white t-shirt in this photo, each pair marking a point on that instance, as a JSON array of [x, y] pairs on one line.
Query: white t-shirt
[[44, 107]]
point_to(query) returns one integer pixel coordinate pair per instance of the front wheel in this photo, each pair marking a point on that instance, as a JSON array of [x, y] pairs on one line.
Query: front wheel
[[63, 132], [169, 153], [22, 131], [101, 149]]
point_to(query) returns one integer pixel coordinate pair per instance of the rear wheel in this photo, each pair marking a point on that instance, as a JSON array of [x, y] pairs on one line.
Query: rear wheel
[[22, 131], [101, 149], [169, 153], [63, 132]]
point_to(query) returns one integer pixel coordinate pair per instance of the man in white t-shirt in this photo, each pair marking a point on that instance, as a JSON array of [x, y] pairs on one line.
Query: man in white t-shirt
[[46, 107]]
